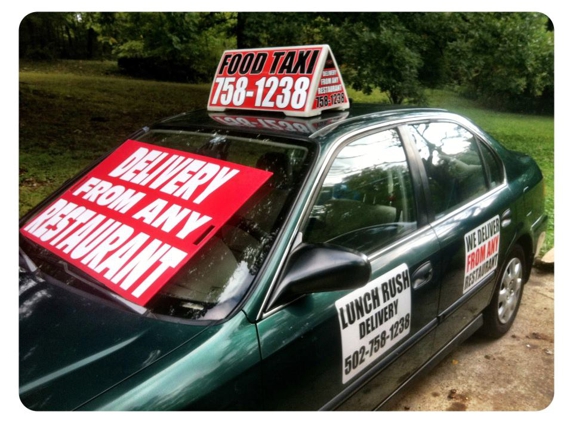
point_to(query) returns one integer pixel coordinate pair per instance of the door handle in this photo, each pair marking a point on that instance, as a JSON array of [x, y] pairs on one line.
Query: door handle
[[506, 218], [422, 275]]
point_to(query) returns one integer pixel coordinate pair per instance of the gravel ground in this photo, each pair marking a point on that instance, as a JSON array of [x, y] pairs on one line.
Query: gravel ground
[[514, 373]]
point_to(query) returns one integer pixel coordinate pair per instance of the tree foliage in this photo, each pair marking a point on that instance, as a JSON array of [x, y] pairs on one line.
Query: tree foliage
[[504, 59], [58, 35], [377, 51], [172, 46]]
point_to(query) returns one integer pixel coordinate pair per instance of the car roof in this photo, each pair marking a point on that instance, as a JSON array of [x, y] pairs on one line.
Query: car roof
[[329, 125]]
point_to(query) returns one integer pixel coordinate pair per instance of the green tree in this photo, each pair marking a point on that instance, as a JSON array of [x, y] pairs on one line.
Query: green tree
[[430, 35], [504, 59], [275, 29], [169, 46], [376, 50], [172, 46], [57, 35]]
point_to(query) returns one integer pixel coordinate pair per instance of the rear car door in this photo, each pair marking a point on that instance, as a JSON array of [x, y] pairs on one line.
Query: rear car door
[[472, 218], [318, 350]]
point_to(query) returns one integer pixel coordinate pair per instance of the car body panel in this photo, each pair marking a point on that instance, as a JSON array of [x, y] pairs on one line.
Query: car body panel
[[102, 344], [218, 369], [300, 343]]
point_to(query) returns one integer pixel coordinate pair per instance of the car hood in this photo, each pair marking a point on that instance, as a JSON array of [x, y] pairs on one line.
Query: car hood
[[72, 347]]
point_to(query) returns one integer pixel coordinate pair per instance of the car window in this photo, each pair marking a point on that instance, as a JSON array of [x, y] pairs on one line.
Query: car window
[[493, 165], [211, 283], [452, 162], [215, 279], [366, 200]]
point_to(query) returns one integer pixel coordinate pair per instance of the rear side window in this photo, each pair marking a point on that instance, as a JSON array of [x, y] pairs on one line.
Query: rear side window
[[367, 199], [452, 161], [493, 166]]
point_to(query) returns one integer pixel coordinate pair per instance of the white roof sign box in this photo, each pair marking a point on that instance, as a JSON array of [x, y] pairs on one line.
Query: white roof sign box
[[297, 81]]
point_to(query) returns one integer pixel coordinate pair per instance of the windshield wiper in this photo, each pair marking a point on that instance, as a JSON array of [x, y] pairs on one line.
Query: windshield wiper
[[30, 265], [117, 298], [27, 263]]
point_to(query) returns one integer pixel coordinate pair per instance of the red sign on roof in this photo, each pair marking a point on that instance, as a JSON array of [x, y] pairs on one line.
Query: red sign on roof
[[278, 124], [139, 216], [298, 81]]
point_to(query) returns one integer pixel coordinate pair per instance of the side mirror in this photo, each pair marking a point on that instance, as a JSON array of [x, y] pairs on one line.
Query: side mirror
[[314, 268]]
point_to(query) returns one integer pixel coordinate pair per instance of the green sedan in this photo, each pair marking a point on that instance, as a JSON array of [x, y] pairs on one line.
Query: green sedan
[[220, 261]]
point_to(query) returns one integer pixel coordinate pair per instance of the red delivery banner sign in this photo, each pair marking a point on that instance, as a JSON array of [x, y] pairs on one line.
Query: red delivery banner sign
[[298, 81], [140, 215]]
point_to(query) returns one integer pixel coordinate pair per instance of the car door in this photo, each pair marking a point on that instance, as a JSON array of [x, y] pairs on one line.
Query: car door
[[472, 218], [319, 350]]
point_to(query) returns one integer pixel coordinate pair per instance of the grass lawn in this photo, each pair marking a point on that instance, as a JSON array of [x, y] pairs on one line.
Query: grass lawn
[[71, 112]]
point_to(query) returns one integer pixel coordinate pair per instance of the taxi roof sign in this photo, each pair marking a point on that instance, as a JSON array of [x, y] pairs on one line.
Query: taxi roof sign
[[298, 81]]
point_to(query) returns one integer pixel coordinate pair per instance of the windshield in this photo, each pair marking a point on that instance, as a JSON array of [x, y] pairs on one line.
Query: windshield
[[211, 283]]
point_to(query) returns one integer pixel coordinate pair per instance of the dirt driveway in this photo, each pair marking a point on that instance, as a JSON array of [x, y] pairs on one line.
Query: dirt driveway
[[515, 372]]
